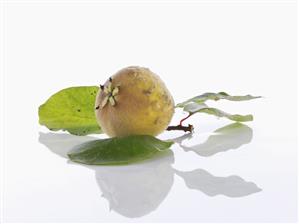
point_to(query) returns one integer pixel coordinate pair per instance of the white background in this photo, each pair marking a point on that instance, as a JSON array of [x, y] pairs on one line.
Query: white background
[[239, 47]]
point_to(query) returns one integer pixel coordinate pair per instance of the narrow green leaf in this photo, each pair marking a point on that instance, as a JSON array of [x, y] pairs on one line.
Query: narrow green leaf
[[119, 150], [203, 108], [71, 109], [215, 96]]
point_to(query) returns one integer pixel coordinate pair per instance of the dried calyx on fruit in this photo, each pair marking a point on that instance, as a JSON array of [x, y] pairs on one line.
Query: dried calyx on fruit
[[110, 92], [134, 101]]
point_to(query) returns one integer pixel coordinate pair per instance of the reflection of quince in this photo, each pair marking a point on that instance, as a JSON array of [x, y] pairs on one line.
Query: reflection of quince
[[135, 191]]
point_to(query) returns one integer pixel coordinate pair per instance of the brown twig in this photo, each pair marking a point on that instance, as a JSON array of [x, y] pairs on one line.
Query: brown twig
[[180, 128]]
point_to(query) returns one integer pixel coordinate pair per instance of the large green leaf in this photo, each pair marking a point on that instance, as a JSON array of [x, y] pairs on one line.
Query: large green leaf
[[193, 108], [119, 150], [215, 96], [71, 109]]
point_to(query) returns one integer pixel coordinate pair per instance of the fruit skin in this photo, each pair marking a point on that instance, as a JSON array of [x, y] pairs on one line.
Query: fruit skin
[[143, 104]]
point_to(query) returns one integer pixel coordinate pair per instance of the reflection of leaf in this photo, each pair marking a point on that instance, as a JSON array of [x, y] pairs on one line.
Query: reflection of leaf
[[229, 137], [215, 96], [71, 109], [231, 186], [193, 108], [62, 143], [122, 150]]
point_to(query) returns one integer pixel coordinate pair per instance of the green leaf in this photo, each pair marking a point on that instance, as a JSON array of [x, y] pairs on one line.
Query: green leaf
[[193, 108], [71, 109], [215, 96], [119, 150]]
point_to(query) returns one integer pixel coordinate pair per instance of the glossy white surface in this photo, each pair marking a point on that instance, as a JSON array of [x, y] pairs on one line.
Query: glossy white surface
[[246, 173]]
